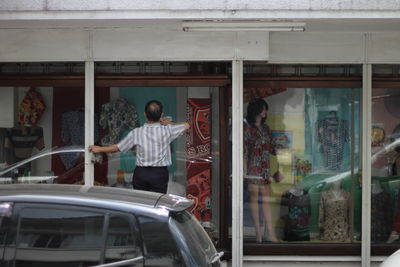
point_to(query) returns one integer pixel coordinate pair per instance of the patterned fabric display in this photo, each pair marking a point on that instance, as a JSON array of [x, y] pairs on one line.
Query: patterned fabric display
[[31, 108], [296, 211], [118, 116], [334, 215], [381, 216], [22, 140], [332, 134], [73, 133], [258, 145]]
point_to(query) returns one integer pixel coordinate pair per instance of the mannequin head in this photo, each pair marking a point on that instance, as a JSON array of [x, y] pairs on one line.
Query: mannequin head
[[255, 108]]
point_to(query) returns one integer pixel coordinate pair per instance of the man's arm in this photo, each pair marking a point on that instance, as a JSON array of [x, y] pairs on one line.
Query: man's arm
[[167, 120], [105, 149]]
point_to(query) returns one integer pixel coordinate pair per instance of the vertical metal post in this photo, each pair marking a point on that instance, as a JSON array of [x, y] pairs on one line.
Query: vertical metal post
[[237, 163], [366, 166], [89, 121]]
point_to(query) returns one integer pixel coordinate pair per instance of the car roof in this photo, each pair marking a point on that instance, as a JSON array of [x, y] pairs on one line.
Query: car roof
[[92, 196]]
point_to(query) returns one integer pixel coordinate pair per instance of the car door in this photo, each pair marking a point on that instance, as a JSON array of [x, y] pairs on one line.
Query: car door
[[71, 236]]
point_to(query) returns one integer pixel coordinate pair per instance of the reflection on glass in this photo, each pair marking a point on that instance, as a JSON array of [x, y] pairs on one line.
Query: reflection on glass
[[304, 161], [385, 160], [48, 237], [195, 167], [40, 120]]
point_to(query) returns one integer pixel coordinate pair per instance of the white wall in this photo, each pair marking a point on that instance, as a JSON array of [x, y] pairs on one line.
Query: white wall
[[173, 44], [193, 5]]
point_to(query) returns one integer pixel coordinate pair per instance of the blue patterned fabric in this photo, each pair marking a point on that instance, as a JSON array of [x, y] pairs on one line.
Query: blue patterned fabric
[[118, 116], [73, 133]]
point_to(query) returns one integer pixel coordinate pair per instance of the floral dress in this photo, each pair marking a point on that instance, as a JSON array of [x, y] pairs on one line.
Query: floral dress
[[258, 145]]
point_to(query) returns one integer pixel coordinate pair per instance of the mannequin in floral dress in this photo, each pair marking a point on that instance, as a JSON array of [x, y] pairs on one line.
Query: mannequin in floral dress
[[258, 145]]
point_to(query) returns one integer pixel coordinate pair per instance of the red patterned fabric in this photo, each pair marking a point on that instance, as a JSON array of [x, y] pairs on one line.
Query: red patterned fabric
[[198, 163]]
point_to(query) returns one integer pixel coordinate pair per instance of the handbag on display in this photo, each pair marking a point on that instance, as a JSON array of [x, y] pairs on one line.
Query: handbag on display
[[278, 176]]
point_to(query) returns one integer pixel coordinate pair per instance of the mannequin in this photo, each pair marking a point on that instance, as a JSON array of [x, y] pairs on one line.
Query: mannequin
[[295, 213], [297, 188], [376, 187], [258, 146], [336, 190], [334, 213], [381, 213], [394, 235]]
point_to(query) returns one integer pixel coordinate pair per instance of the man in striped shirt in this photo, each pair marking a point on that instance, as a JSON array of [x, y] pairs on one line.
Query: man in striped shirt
[[153, 153]]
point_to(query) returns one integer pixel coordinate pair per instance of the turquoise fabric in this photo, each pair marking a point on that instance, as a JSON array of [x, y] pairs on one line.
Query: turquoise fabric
[[139, 96], [318, 104]]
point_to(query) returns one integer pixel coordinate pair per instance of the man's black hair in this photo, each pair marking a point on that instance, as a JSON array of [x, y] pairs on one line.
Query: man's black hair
[[153, 110]]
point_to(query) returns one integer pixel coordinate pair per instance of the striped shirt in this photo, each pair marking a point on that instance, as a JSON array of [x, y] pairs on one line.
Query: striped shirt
[[152, 142]]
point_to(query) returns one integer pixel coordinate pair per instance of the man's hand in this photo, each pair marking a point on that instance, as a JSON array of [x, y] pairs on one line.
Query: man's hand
[[166, 120], [94, 149]]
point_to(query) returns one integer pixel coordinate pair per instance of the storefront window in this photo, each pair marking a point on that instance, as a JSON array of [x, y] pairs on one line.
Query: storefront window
[[120, 102], [301, 160], [42, 123], [385, 216]]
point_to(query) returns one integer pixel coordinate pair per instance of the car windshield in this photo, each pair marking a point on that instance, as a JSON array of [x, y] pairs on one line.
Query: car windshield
[[193, 239]]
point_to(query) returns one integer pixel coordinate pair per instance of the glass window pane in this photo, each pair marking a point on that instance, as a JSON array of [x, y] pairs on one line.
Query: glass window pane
[[385, 171], [42, 121], [49, 237], [161, 248], [301, 162], [122, 242], [192, 158]]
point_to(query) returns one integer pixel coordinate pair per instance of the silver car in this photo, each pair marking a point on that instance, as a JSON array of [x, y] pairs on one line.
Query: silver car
[[71, 225]]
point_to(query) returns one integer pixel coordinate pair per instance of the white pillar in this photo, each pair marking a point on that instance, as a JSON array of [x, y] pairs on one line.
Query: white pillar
[[237, 163], [366, 165], [89, 121]]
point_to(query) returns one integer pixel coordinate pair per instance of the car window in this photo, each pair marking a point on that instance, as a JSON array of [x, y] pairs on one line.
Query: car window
[[58, 237], [160, 247], [5, 218], [193, 239], [122, 241]]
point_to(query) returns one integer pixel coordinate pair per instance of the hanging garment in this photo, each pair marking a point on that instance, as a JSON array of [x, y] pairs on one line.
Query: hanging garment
[[381, 216], [396, 221], [31, 108], [334, 213], [296, 212], [22, 140], [73, 134], [6, 153], [332, 134], [118, 115]]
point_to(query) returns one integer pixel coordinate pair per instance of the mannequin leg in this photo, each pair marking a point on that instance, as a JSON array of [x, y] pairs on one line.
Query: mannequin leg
[[266, 193], [254, 190]]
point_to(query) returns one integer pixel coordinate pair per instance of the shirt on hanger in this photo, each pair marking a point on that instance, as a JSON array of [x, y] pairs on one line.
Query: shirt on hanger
[[332, 134]]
